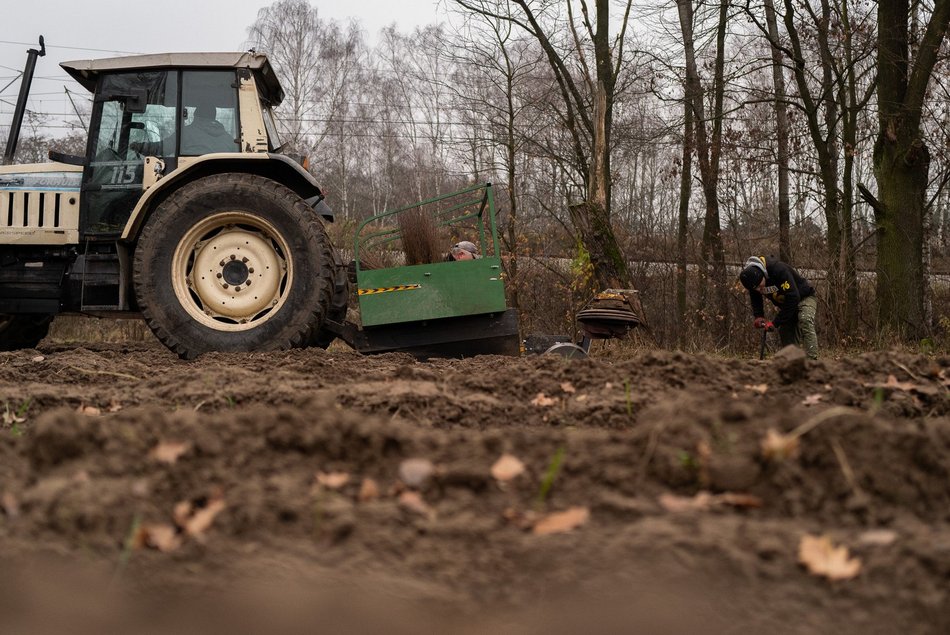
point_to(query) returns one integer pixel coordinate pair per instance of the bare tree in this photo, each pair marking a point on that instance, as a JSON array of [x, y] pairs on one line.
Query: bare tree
[[588, 111], [708, 148], [494, 70], [288, 32]]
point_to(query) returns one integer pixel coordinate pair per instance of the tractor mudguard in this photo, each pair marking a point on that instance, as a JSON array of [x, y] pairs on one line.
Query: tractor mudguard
[[276, 167]]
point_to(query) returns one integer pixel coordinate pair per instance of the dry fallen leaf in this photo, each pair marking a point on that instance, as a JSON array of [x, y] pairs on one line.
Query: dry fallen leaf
[[507, 467], [182, 512], [202, 518], [905, 386], [877, 538], [163, 537], [9, 418], [169, 451], [543, 401], [415, 472], [704, 501], [672, 503], [332, 480], [10, 505], [561, 522], [413, 502], [369, 490], [778, 447], [898, 385], [812, 400], [568, 387], [37, 358], [759, 388], [822, 558], [89, 411]]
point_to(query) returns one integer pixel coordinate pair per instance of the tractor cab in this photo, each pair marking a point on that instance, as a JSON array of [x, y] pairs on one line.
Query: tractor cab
[[153, 114]]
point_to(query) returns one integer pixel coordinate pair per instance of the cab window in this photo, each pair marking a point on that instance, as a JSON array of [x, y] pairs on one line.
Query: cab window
[[134, 117], [209, 112]]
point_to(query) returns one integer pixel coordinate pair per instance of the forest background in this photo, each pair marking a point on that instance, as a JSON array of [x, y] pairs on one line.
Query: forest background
[[652, 146]]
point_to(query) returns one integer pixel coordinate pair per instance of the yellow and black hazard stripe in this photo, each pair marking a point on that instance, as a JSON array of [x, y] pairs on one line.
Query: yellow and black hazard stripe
[[402, 287]]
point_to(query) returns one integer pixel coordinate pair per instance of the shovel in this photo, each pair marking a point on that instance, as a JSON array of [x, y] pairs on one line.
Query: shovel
[[765, 332]]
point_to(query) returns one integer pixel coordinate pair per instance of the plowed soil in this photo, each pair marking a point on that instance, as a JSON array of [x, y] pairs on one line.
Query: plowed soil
[[103, 448]]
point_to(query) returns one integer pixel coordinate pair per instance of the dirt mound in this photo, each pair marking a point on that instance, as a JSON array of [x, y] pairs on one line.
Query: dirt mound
[[326, 479]]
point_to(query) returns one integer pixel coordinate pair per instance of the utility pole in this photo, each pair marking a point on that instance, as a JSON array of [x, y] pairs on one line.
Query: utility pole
[[14, 137]]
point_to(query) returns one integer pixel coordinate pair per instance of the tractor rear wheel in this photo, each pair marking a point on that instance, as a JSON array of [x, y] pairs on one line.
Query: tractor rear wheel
[[339, 303], [233, 262], [23, 330]]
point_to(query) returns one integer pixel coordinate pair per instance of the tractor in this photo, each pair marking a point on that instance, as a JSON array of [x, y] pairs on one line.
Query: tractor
[[184, 211]]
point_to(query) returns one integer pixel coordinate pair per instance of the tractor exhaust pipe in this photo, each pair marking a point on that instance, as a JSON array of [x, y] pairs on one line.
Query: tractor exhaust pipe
[[14, 137]]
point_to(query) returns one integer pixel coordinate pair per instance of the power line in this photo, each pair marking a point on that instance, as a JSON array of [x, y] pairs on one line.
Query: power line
[[72, 48]]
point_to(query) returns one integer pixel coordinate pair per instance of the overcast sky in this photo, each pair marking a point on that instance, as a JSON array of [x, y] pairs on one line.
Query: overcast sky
[[89, 29]]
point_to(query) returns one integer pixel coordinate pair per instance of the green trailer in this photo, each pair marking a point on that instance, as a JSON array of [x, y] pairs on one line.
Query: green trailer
[[436, 308]]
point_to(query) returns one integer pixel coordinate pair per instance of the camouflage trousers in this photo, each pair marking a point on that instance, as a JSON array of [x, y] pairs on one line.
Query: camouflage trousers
[[802, 333]]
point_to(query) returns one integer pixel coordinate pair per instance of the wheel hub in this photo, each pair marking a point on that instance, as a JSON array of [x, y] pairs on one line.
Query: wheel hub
[[233, 271]]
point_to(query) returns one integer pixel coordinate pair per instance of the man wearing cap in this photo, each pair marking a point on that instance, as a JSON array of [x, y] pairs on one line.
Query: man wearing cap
[[464, 250], [791, 293]]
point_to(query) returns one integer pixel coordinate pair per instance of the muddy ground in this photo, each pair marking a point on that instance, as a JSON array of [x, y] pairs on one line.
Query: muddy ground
[[275, 492]]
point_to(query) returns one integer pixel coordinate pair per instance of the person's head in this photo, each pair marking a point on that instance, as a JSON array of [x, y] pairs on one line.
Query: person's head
[[464, 250], [753, 274], [205, 107]]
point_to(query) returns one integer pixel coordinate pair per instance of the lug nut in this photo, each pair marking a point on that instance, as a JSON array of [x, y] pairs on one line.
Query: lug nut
[[220, 276], [233, 257], [237, 288], [244, 259], [226, 285], [221, 263], [250, 270], [248, 283]]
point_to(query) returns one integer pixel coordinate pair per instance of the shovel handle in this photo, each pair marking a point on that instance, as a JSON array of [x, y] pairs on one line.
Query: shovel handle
[[765, 333]]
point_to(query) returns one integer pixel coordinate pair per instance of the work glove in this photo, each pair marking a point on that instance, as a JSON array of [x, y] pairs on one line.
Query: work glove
[[762, 323]]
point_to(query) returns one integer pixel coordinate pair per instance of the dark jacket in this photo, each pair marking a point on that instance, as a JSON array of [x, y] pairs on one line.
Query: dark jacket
[[785, 287]]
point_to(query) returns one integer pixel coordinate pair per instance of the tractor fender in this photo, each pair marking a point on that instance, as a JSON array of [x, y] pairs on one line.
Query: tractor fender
[[276, 167]]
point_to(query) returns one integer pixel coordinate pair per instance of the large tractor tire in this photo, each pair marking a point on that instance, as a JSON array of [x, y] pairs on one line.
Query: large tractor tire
[[339, 303], [233, 262], [23, 331]]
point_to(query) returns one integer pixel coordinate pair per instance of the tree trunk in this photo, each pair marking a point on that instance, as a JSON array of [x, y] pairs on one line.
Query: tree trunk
[[781, 131], [707, 150], [902, 163], [902, 169], [595, 229], [850, 109], [686, 177]]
